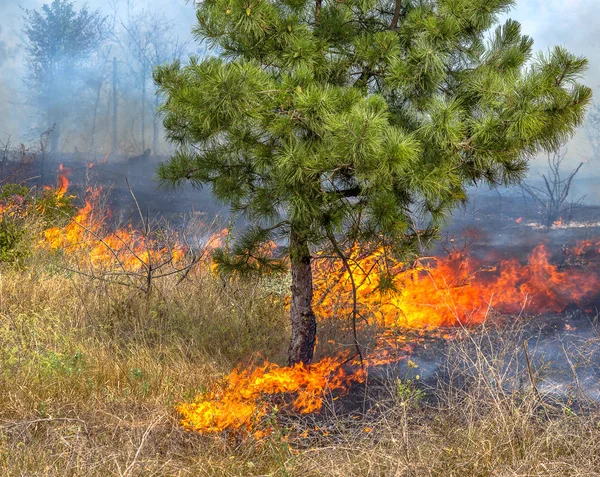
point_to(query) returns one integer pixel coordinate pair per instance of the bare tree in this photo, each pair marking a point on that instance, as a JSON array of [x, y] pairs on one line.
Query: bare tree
[[551, 197], [148, 43]]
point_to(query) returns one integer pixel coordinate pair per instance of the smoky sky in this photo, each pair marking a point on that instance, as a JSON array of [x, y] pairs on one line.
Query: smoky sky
[[574, 24]]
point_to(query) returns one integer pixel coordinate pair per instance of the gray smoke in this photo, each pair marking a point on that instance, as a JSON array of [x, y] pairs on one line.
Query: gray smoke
[[574, 24]]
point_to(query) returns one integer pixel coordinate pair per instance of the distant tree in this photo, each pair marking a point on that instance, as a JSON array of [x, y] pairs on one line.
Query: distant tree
[[59, 43], [327, 122], [148, 42], [551, 197]]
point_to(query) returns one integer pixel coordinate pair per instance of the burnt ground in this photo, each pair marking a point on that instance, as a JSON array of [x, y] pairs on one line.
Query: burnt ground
[[563, 351]]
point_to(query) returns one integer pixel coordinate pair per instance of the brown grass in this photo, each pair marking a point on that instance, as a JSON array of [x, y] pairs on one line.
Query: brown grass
[[90, 373]]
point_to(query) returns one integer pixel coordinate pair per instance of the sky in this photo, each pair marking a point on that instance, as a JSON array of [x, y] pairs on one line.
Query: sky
[[574, 24], [11, 13]]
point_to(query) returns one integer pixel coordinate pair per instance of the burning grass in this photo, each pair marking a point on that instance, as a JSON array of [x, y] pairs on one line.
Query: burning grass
[[458, 289], [247, 395], [91, 371], [127, 248]]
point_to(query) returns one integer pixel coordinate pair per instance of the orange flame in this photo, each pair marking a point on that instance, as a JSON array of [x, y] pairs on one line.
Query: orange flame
[[444, 292], [126, 247], [458, 290], [452, 291], [586, 247], [63, 181], [246, 396]]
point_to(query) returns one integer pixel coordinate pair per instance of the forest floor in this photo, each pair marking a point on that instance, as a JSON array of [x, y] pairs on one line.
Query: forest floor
[[90, 375], [94, 363]]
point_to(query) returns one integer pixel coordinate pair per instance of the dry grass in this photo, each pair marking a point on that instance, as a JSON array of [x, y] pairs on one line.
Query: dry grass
[[484, 418], [90, 372]]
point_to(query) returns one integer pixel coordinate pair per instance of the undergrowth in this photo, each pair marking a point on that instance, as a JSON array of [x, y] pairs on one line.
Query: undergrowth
[[90, 373]]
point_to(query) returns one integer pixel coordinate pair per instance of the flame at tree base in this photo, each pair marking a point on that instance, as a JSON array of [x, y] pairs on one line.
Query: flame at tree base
[[445, 292], [247, 396]]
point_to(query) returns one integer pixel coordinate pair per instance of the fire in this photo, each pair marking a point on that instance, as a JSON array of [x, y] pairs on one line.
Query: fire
[[63, 182], [430, 294], [586, 247], [434, 293], [216, 240], [248, 395], [452, 291], [127, 248]]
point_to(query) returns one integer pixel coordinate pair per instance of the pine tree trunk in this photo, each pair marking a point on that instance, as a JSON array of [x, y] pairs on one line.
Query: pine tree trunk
[[302, 317]]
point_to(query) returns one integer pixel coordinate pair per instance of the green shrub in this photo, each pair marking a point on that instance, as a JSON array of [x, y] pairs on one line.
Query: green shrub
[[22, 214], [11, 234]]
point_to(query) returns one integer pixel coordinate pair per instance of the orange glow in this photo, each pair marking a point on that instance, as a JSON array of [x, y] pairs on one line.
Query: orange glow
[[85, 237], [448, 292], [452, 291], [429, 295], [586, 247], [62, 182], [434, 293], [216, 240], [247, 395]]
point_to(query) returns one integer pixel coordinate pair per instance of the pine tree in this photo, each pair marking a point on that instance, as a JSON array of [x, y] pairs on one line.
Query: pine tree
[[358, 120]]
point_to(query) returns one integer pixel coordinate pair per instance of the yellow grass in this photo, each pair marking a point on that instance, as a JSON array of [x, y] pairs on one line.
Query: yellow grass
[[90, 373]]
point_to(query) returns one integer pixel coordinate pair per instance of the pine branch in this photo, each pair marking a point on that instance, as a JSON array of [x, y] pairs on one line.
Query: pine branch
[[396, 17]]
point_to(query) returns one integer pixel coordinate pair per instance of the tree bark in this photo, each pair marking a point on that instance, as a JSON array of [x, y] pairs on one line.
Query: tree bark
[[302, 316]]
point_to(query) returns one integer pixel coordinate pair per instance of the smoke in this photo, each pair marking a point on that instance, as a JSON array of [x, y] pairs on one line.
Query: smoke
[[84, 100], [6, 51], [572, 23]]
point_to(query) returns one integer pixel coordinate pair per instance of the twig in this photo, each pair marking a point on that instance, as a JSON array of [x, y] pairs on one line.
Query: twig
[[354, 292], [130, 467]]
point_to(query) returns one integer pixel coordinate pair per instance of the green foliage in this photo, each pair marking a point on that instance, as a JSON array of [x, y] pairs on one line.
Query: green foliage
[[11, 190], [408, 394], [62, 365], [54, 208], [347, 124], [21, 215], [11, 234]]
